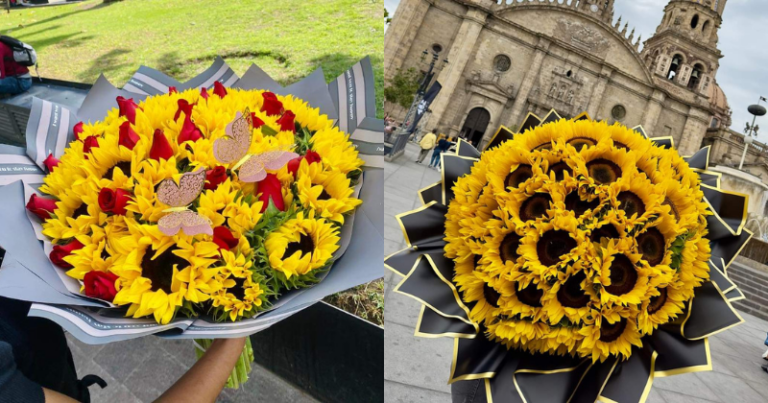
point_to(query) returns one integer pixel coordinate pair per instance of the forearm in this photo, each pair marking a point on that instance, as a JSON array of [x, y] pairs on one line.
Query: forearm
[[205, 380]]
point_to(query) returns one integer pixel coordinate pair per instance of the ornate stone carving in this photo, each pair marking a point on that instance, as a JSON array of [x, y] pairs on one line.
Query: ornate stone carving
[[582, 36]]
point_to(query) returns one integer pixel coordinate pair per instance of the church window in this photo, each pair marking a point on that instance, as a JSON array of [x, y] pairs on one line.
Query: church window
[[695, 79], [569, 73], [695, 21], [502, 63], [437, 48], [619, 112], [674, 68], [705, 28], [715, 123]]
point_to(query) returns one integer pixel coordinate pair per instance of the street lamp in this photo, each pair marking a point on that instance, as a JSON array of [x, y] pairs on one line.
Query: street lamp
[[756, 110], [422, 87]]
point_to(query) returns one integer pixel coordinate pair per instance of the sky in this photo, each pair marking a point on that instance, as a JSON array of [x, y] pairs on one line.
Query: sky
[[743, 73]]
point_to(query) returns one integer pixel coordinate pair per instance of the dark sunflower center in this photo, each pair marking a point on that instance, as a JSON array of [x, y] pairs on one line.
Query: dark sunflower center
[[619, 144], [673, 208], [571, 294], [82, 210], [508, 247], [535, 206], [657, 302], [606, 231], [574, 203], [491, 295], [530, 295], [623, 276], [305, 245], [545, 146], [521, 174], [560, 169], [580, 142], [124, 166], [324, 195], [553, 245], [239, 289], [160, 270], [631, 204], [611, 331], [603, 171], [651, 244]]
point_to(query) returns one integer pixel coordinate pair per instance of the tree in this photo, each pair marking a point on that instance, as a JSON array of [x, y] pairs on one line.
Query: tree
[[387, 18], [403, 86]]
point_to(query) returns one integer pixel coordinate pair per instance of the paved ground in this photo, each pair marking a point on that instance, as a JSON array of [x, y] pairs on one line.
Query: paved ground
[[416, 369], [141, 370]]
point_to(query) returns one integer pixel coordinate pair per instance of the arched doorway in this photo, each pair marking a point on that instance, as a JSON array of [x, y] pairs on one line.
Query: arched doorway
[[475, 125]]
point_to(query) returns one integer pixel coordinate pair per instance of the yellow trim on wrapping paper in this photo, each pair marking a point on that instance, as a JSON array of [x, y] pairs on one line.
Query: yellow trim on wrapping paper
[[408, 213], [744, 213], [525, 119], [610, 373], [437, 311], [417, 333], [426, 188], [467, 377], [502, 127], [648, 384], [581, 115], [687, 370], [551, 111], [580, 380], [688, 316], [488, 394], [744, 245], [706, 165], [547, 372], [442, 171], [738, 298], [392, 268], [453, 288], [671, 140], [643, 132], [719, 175], [733, 285], [461, 141]]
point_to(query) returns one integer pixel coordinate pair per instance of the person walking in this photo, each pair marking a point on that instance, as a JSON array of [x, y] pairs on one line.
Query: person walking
[[442, 146], [427, 143]]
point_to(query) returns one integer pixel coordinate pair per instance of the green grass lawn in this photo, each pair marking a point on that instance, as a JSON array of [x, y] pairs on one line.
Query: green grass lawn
[[287, 38]]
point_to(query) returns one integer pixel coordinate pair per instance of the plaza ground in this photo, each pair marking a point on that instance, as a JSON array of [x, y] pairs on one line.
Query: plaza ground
[[417, 369]]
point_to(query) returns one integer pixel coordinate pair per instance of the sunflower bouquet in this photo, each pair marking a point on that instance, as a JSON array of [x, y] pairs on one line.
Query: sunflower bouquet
[[194, 204], [575, 247]]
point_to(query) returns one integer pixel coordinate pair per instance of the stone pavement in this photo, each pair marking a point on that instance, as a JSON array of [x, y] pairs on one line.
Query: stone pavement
[[141, 370], [417, 369]]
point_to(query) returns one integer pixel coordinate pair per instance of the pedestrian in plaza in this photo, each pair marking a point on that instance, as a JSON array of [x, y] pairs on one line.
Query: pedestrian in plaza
[[427, 143], [442, 146], [36, 365]]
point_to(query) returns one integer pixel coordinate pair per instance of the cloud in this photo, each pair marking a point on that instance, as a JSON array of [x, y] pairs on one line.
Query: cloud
[[743, 72]]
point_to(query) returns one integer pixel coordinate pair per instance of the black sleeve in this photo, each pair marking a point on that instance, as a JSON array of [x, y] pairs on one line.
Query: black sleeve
[[14, 386]]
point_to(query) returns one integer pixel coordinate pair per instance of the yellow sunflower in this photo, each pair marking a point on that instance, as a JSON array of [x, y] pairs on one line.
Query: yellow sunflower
[[328, 193], [301, 245]]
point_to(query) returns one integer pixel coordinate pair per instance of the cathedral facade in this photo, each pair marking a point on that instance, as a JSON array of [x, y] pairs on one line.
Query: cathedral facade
[[509, 58]]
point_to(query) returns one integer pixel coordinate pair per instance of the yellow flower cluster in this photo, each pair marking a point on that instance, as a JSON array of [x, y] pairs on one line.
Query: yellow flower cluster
[[137, 147], [577, 238]]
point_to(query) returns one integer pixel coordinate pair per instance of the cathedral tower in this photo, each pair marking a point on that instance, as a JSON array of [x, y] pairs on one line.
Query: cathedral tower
[[684, 47]]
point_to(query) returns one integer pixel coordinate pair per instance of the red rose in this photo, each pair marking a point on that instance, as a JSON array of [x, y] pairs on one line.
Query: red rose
[[271, 188], [106, 199], [50, 162], [203, 93], [114, 201], [128, 138], [122, 197], [78, 129], [286, 122], [214, 177], [41, 206], [59, 252], [255, 121], [184, 106], [90, 142], [311, 157], [223, 237], [161, 148], [189, 131], [172, 90], [101, 285], [271, 105], [127, 108], [218, 89]]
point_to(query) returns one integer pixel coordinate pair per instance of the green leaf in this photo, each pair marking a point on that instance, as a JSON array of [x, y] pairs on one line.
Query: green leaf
[[268, 131]]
